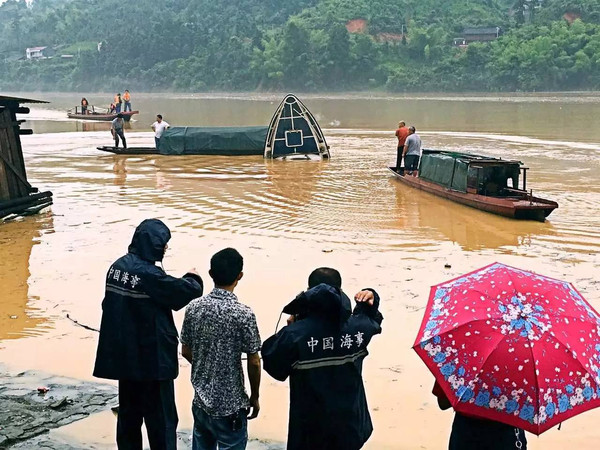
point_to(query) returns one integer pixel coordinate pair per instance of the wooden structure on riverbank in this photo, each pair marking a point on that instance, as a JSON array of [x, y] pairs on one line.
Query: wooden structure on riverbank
[[17, 196]]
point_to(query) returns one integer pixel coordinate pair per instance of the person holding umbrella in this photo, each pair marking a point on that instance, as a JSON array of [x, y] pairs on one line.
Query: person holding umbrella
[[471, 433], [510, 347]]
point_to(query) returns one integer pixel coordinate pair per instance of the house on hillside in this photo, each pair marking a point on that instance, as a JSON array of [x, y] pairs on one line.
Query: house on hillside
[[481, 34], [477, 35], [394, 38], [38, 52]]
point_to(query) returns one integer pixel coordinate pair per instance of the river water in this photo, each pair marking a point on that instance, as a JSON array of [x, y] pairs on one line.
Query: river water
[[286, 218]]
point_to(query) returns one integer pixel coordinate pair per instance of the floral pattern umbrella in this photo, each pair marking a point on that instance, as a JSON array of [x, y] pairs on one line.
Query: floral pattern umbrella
[[513, 346]]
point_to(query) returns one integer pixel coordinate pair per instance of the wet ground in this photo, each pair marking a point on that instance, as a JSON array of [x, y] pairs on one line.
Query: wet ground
[[286, 218]]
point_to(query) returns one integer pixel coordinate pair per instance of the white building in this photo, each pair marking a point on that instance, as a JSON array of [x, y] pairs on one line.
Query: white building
[[35, 52]]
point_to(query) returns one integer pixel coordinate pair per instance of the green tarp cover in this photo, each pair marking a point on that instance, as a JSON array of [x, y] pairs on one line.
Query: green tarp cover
[[213, 141], [452, 171], [444, 170]]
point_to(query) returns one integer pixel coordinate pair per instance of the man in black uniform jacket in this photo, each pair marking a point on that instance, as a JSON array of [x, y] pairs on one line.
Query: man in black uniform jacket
[[138, 339], [322, 351]]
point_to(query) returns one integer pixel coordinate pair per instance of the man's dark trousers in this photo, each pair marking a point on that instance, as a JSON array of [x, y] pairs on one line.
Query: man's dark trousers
[[399, 157], [152, 402], [117, 134]]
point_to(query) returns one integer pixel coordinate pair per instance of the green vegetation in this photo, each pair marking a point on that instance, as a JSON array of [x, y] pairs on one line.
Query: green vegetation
[[199, 45]]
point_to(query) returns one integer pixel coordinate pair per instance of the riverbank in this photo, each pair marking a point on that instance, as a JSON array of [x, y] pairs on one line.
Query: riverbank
[[45, 411]]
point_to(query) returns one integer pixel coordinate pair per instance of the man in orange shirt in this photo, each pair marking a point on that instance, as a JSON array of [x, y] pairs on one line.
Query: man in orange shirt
[[127, 100], [401, 134]]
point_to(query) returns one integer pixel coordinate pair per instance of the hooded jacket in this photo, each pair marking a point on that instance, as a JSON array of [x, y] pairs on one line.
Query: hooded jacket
[[138, 339], [323, 354]]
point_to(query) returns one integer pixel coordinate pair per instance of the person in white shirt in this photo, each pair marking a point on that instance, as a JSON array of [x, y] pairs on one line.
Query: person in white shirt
[[159, 127]]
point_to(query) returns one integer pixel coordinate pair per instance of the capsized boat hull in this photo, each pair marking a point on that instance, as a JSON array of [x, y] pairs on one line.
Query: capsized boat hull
[[294, 130], [520, 206]]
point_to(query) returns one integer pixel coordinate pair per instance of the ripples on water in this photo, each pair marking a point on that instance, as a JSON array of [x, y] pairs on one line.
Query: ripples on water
[[348, 200]]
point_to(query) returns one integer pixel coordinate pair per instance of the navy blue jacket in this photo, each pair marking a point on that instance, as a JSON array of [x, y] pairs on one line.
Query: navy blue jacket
[[138, 339], [323, 355]]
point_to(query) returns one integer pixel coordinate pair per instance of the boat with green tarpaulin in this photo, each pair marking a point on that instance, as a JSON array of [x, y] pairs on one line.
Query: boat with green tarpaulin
[[482, 182]]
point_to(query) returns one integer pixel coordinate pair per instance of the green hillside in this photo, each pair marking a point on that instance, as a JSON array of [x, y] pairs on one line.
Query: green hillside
[[395, 45]]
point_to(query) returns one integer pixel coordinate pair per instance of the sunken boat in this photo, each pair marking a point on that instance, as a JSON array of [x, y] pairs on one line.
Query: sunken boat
[[482, 182], [294, 133], [101, 114]]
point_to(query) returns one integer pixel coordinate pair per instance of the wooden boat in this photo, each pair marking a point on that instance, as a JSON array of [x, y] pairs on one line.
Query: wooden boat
[[130, 150], [94, 113], [481, 185], [294, 131]]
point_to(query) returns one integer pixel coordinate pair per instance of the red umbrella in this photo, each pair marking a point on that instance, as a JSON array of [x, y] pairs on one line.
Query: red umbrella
[[513, 346]]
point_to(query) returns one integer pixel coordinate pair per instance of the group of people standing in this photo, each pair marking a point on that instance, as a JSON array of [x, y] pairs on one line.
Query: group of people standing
[[119, 101], [116, 129], [321, 350], [409, 149]]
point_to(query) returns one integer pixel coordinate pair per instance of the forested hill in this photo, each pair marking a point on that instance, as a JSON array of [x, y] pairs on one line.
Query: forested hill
[[305, 45]]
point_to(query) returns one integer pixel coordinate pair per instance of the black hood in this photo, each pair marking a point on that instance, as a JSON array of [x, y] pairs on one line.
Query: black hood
[[323, 301], [149, 240]]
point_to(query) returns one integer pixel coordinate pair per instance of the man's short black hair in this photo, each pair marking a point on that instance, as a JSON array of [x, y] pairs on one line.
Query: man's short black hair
[[120, 116], [225, 266], [159, 116], [325, 275]]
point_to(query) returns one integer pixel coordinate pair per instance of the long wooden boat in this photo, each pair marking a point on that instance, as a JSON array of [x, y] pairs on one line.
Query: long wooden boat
[[130, 150], [102, 115], [482, 182], [517, 204]]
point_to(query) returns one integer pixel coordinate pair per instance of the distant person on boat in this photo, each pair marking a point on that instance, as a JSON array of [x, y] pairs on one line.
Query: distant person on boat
[[322, 350], [401, 134], [138, 339], [412, 152], [117, 130], [127, 100], [84, 105], [118, 102], [159, 127], [112, 108]]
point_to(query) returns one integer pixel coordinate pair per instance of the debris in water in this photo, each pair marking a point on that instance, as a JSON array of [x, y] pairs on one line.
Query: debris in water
[[42, 390], [60, 403], [14, 317], [327, 250], [447, 266]]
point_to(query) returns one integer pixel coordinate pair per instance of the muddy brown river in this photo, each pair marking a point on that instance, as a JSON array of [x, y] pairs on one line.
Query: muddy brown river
[[286, 218]]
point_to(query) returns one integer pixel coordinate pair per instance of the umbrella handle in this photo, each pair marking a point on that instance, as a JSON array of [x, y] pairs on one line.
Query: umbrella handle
[[518, 443]]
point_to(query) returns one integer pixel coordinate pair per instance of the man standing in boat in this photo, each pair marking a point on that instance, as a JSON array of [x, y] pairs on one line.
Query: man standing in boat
[[118, 102], [401, 134], [412, 152], [159, 127], [127, 100], [116, 129]]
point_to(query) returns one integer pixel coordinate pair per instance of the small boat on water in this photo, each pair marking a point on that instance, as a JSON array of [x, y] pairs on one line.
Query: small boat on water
[[488, 184], [294, 133], [94, 113], [130, 150]]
